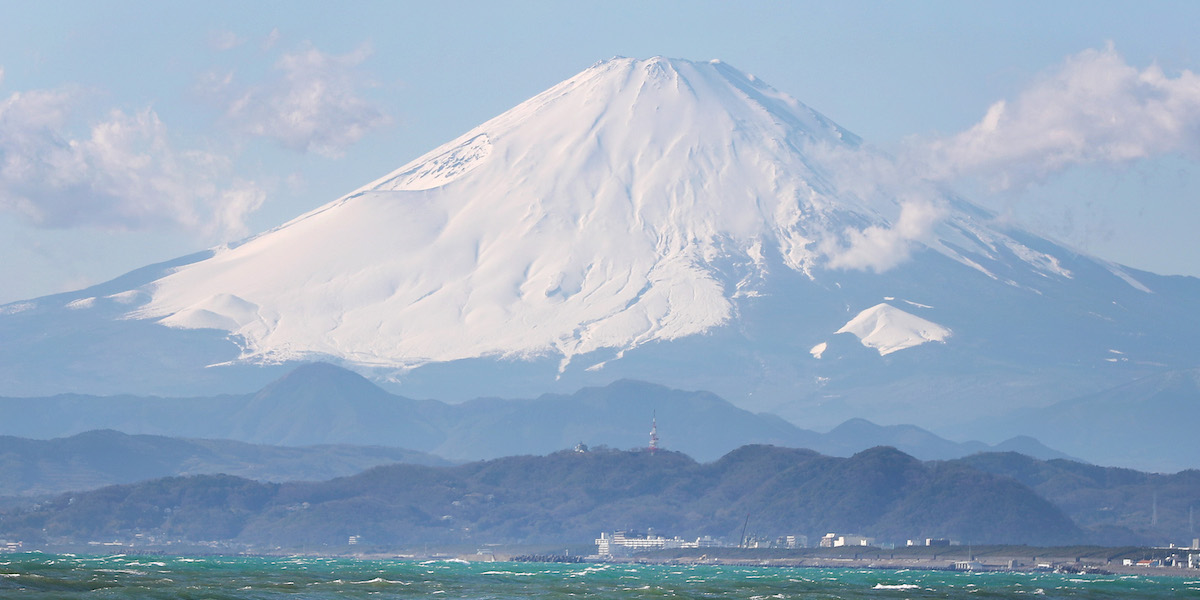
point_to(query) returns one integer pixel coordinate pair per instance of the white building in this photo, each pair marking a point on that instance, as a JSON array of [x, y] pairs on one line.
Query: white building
[[834, 540], [968, 565], [622, 542], [853, 540]]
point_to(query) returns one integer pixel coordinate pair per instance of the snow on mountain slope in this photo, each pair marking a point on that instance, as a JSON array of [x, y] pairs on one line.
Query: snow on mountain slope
[[585, 218], [591, 216], [664, 220], [888, 329]]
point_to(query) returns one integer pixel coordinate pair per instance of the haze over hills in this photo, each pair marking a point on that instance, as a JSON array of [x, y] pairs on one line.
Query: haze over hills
[[324, 404], [1147, 424], [104, 457], [662, 220]]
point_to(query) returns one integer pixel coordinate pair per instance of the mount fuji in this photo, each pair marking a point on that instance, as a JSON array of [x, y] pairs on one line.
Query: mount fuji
[[665, 220]]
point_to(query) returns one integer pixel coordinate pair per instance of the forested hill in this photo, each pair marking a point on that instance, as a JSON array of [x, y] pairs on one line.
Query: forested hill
[[1119, 506], [568, 497]]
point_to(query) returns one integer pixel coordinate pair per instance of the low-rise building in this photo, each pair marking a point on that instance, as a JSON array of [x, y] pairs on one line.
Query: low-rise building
[[853, 540], [835, 540], [793, 541], [928, 542], [625, 542]]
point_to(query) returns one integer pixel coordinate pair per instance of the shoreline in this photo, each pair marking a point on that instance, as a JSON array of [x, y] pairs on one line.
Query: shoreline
[[1087, 560], [1012, 559], [1043, 562], [909, 564]]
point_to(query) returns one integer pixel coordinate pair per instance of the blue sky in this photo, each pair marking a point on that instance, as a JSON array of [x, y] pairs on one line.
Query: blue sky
[[135, 132]]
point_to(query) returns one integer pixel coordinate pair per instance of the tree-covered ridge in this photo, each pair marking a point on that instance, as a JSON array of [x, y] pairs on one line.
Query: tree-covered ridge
[[1119, 505], [569, 497]]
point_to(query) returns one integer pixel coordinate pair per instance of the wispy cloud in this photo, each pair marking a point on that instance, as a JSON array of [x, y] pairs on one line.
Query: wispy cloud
[[118, 171], [1093, 109], [879, 248], [879, 186], [313, 103], [271, 39], [63, 164], [224, 40]]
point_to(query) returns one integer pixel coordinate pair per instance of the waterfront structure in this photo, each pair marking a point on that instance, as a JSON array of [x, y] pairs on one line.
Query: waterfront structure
[[627, 542], [792, 541], [834, 540], [929, 542]]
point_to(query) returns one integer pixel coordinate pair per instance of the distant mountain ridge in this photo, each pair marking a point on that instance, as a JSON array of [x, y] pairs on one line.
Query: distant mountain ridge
[[98, 458], [320, 403], [1146, 424]]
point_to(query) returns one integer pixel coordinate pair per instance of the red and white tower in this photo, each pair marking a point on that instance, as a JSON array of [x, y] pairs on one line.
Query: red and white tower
[[654, 433]]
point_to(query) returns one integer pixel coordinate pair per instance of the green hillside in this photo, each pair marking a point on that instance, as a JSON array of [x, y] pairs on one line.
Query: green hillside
[[567, 497]]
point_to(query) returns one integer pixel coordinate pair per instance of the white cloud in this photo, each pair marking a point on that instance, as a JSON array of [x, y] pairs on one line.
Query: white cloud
[[271, 39], [119, 171], [878, 248], [313, 104], [224, 40], [880, 187], [1093, 109], [236, 203]]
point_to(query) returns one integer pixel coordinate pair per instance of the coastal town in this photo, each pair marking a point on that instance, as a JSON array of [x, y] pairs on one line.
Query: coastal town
[[852, 550]]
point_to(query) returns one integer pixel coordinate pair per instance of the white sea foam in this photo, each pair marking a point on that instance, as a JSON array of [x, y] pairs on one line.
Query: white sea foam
[[896, 586]]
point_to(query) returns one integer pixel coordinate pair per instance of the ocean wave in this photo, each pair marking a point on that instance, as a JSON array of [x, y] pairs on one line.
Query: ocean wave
[[122, 571], [896, 586], [380, 580]]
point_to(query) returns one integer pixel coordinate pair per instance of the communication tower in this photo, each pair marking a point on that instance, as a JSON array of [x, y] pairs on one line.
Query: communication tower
[[654, 433]]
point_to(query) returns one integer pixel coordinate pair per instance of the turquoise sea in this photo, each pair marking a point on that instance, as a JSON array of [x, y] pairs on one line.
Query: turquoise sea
[[65, 576]]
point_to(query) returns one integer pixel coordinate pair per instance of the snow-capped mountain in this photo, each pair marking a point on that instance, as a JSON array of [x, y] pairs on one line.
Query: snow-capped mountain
[[674, 221], [587, 218]]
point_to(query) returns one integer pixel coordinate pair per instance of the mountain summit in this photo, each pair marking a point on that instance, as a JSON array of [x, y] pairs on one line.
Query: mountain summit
[[666, 220], [592, 216]]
